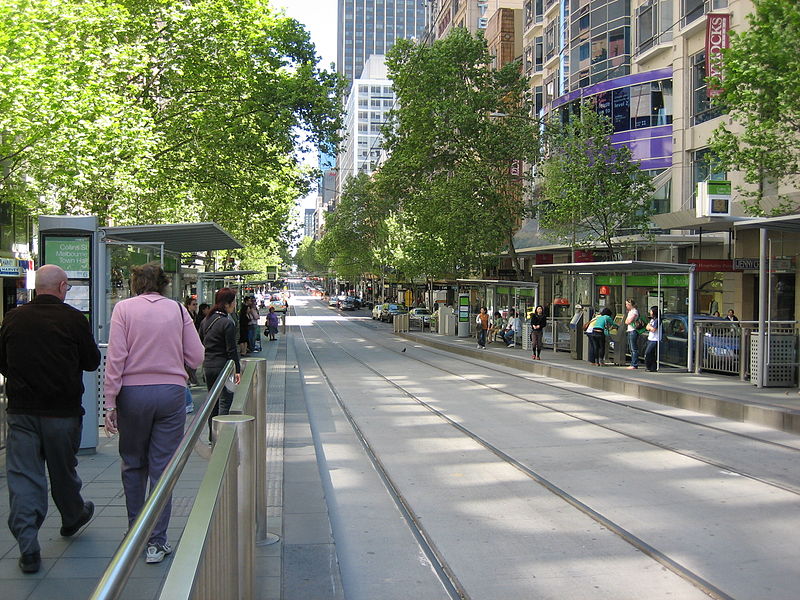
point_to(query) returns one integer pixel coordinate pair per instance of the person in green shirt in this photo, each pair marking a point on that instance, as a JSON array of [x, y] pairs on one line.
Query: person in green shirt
[[600, 329]]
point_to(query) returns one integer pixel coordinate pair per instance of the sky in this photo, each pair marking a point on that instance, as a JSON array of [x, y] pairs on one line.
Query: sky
[[319, 18]]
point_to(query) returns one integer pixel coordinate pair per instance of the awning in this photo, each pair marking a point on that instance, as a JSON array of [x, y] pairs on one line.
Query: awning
[[178, 237], [616, 266]]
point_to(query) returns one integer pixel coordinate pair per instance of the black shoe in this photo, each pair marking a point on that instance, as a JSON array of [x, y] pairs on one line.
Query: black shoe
[[30, 563], [86, 516]]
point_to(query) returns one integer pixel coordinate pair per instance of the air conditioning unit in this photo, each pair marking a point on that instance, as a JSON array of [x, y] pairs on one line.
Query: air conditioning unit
[[713, 199]]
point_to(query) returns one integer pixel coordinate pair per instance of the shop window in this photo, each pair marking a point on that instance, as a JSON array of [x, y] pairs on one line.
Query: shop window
[[621, 108]]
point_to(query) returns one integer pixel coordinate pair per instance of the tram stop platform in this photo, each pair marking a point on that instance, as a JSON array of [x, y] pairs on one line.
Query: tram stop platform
[[719, 395]]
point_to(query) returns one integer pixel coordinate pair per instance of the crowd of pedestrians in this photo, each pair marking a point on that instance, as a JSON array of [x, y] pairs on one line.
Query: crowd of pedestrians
[[155, 347]]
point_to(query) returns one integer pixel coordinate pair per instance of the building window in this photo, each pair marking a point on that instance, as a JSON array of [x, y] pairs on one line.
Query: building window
[[702, 110], [539, 54], [539, 96], [538, 10], [694, 9], [528, 13], [550, 40]]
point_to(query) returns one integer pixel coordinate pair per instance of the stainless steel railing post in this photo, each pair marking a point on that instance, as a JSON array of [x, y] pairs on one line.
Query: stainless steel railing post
[[245, 500], [260, 397]]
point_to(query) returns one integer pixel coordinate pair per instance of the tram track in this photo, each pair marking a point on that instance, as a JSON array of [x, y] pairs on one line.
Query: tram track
[[448, 578], [793, 489]]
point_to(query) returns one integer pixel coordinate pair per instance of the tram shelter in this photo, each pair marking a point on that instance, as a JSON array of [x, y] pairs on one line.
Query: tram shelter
[[572, 287], [98, 260]]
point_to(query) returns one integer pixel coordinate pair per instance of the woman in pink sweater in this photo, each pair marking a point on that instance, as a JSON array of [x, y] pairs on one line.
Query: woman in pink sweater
[[151, 339]]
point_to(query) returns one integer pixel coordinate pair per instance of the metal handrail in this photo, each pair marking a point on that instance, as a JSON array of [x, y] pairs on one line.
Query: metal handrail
[[122, 564]]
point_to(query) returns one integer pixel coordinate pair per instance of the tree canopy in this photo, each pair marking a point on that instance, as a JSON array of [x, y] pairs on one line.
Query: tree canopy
[[161, 111], [760, 90], [457, 131], [591, 191]]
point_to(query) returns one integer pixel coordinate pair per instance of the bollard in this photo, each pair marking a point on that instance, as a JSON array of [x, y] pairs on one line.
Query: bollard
[[283, 324], [245, 490]]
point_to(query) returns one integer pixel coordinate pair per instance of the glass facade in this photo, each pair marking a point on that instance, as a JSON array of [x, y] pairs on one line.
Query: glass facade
[[368, 27], [599, 41]]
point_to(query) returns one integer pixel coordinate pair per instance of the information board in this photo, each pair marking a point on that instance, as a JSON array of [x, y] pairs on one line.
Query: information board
[[73, 254]]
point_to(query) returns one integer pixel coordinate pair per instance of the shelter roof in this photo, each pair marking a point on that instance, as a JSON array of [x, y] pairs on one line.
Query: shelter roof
[[617, 266], [790, 223], [503, 282], [178, 237]]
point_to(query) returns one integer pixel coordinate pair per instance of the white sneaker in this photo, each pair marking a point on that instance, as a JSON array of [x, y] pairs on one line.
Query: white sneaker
[[156, 553], [189, 409]]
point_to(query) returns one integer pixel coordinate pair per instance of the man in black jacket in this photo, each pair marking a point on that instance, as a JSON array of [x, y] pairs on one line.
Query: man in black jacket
[[44, 348]]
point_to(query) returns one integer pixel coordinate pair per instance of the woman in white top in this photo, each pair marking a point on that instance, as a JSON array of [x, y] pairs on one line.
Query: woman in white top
[[633, 335], [653, 337]]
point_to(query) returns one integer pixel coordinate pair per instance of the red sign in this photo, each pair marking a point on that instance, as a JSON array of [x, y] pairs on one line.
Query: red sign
[[584, 256], [717, 39], [712, 264], [544, 259]]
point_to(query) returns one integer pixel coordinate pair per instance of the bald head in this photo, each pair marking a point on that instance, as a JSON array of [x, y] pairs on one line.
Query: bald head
[[49, 280]]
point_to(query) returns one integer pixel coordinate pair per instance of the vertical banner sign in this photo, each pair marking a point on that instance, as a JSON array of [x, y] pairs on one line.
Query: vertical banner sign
[[717, 39]]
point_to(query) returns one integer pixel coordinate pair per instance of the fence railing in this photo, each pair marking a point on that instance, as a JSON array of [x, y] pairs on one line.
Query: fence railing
[[730, 347], [229, 511]]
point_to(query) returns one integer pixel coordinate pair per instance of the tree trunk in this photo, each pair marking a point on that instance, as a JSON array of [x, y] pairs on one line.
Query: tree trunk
[[512, 253]]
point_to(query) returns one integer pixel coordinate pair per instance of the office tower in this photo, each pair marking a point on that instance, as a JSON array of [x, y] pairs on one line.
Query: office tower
[[368, 27], [309, 222], [371, 97]]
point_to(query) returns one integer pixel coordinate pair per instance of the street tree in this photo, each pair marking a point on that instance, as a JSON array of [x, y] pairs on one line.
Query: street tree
[[161, 111], [759, 88], [456, 140], [362, 236], [591, 191]]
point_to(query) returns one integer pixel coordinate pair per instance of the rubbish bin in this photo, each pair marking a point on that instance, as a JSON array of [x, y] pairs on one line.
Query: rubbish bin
[[576, 336]]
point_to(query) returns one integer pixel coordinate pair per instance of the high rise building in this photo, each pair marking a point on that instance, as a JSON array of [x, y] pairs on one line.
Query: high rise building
[[308, 224], [368, 27], [371, 97]]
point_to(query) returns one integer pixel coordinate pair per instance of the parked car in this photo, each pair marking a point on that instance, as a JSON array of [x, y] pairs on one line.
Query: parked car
[[389, 310], [333, 301], [419, 317], [717, 342], [376, 311]]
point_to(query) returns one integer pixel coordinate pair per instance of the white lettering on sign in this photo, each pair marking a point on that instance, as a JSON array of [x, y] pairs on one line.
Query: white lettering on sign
[[717, 39]]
